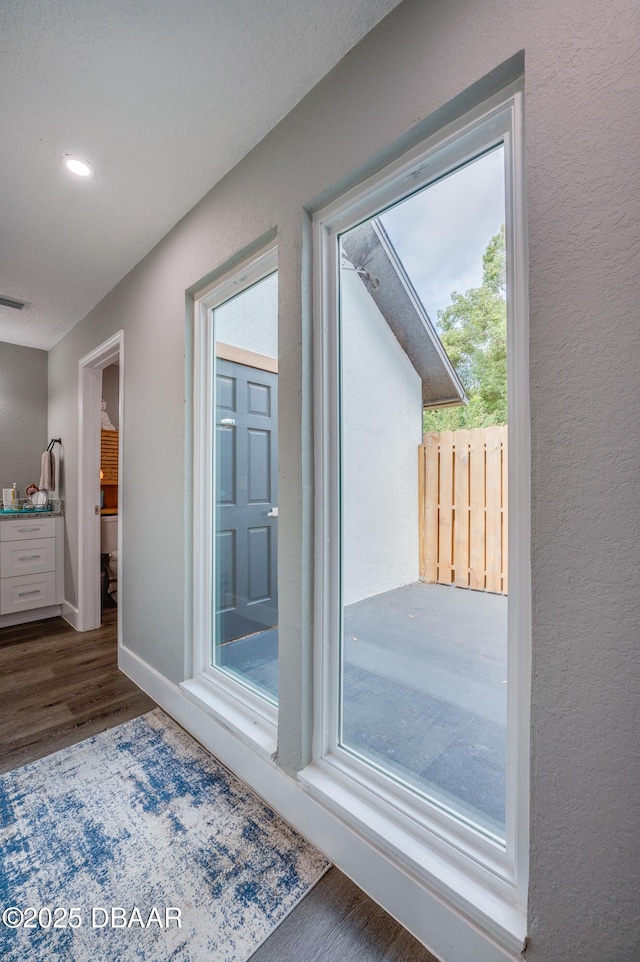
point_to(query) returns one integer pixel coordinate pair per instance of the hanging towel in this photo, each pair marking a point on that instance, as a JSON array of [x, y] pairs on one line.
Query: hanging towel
[[48, 472]]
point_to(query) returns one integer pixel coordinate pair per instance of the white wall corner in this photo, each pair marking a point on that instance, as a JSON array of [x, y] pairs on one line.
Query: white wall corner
[[70, 614]]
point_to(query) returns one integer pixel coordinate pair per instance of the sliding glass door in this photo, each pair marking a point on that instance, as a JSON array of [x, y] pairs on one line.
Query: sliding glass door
[[424, 491]]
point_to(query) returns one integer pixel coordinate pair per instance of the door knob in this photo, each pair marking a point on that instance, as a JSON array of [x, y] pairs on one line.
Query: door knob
[[273, 513]]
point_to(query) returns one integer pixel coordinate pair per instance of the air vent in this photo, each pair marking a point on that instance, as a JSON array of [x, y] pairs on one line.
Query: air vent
[[12, 302]]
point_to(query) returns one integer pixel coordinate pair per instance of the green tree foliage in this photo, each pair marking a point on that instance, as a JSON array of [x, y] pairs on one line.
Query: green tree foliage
[[474, 333]]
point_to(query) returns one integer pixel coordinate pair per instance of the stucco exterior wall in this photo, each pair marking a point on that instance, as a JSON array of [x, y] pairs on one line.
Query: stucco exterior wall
[[382, 416], [251, 320], [424, 64]]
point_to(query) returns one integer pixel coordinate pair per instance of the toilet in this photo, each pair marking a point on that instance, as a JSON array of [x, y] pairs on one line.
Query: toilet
[[108, 533], [113, 576]]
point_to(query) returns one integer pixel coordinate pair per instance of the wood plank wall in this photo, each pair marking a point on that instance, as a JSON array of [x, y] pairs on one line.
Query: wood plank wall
[[463, 516], [109, 470], [109, 457]]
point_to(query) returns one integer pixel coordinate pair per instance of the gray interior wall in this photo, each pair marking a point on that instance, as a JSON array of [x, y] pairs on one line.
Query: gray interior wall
[[23, 414], [582, 124]]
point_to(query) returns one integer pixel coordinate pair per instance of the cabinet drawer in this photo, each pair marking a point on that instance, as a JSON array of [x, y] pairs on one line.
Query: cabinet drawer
[[25, 528], [27, 591], [27, 557]]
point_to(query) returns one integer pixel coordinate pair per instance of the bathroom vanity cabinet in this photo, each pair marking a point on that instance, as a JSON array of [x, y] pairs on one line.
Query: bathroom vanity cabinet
[[31, 568]]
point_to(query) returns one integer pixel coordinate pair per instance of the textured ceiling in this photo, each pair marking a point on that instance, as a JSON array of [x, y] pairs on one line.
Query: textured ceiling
[[163, 98]]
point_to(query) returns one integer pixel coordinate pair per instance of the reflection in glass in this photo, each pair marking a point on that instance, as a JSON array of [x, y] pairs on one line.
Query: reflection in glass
[[246, 477], [424, 423]]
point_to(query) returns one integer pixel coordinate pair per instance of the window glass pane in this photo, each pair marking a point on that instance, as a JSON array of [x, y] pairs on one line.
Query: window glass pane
[[423, 663], [246, 487]]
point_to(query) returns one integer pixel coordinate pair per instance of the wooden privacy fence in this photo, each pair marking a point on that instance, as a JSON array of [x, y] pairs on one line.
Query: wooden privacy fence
[[463, 523]]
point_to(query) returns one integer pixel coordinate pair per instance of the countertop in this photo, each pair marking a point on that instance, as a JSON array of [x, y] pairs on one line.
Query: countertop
[[55, 511]]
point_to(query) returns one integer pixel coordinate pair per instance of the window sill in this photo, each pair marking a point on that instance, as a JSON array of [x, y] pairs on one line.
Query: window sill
[[476, 889], [254, 723]]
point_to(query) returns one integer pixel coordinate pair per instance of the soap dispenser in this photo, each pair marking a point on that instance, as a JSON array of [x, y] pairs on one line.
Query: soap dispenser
[[15, 500]]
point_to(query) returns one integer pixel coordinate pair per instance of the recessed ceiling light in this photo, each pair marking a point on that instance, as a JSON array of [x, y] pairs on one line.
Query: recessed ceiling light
[[78, 167]]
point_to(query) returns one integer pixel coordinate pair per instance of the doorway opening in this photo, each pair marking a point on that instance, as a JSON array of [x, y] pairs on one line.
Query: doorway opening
[[99, 462], [109, 518]]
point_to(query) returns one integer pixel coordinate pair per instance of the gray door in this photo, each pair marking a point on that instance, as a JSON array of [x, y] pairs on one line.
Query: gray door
[[247, 494]]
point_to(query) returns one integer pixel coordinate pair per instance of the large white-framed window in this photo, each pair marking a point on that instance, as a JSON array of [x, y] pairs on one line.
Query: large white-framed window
[[234, 591], [474, 854]]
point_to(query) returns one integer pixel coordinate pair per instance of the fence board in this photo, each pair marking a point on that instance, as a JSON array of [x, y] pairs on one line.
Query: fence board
[[493, 549], [422, 512], [461, 442], [505, 512], [445, 509], [431, 455], [463, 519], [477, 510]]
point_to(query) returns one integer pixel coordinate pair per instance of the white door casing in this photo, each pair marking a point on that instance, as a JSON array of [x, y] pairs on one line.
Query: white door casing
[[90, 369]]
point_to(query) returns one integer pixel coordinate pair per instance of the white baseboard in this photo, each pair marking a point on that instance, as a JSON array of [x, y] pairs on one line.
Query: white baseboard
[[70, 613], [32, 614], [445, 932]]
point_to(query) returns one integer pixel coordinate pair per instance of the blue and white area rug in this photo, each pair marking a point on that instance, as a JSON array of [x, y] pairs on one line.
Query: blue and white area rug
[[137, 845]]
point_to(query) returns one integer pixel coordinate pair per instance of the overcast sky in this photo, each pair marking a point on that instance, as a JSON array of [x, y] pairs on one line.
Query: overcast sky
[[441, 233]]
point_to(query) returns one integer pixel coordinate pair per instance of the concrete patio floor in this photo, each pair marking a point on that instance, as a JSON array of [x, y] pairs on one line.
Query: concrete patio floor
[[424, 691]]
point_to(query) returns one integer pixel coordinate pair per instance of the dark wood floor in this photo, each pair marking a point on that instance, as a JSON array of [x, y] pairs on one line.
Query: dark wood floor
[[337, 922], [59, 686]]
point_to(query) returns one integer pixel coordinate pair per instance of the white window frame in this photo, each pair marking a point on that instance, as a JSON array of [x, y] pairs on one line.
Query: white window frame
[[238, 707], [483, 877]]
